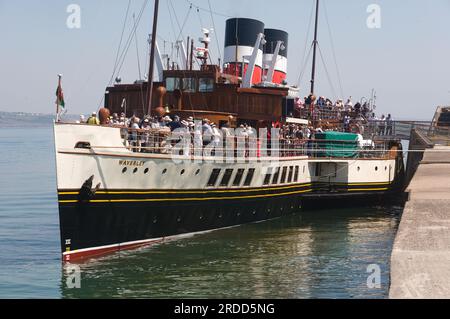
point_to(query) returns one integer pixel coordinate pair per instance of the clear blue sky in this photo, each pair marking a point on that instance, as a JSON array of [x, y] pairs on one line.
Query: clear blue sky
[[406, 61]]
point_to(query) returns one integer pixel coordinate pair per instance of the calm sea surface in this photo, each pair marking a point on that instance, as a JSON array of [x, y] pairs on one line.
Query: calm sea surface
[[320, 254]]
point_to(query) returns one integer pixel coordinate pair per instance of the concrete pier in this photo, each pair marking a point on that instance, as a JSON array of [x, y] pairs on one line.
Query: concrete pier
[[420, 265]]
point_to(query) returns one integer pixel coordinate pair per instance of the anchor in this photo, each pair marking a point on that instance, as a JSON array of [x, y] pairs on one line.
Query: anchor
[[87, 192]]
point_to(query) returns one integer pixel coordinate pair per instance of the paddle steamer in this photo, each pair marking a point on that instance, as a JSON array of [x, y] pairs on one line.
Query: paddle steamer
[[114, 195]]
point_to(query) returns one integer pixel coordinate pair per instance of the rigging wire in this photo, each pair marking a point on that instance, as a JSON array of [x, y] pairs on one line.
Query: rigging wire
[[120, 43], [333, 91], [181, 27], [209, 10], [139, 66], [170, 6], [305, 57], [184, 23], [215, 30], [123, 55], [137, 50], [202, 25], [302, 73], [130, 38], [171, 23], [334, 52]]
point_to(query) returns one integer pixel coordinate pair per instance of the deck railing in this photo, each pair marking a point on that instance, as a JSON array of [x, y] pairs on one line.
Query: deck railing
[[189, 144]]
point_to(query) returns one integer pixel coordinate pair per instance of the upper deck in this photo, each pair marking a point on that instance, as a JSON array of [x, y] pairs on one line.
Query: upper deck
[[205, 93]]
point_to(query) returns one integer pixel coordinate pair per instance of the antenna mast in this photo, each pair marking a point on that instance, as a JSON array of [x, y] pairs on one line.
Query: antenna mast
[[313, 75], [152, 59]]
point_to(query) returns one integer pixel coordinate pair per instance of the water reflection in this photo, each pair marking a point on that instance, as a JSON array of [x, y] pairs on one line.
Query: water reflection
[[320, 254]]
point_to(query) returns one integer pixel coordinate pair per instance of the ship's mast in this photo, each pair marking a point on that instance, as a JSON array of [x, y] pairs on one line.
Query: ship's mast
[[313, 75], [152, 59]]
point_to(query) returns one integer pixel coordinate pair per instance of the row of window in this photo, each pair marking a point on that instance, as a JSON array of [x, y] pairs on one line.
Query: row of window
[[288, 175], [190, 85], [227, 177]]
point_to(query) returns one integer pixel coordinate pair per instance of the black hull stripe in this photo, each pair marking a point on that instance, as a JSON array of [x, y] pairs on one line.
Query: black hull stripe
[[196, 191], [187, 199], [216, 191], [192, 197]]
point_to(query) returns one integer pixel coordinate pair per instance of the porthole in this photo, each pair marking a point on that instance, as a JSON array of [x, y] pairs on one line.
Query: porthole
[[359, 169], [135, 171], [164, 171], [146, 171], [376, 169], [182, 172], [124, 170], [197, 172], [179, 219], [385, 168], [155, 221], [201, 217]]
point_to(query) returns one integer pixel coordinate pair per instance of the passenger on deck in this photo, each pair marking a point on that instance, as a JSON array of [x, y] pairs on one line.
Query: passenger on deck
[[389, 125], [175, 124], [382, 126], [145, 136], [349, 105], [115, 119], [93, 120], [134, 136], [82, 120], [347, 122], [207, 131]]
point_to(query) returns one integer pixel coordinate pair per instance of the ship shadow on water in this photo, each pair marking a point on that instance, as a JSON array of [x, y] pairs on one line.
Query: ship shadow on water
[[312, 254]]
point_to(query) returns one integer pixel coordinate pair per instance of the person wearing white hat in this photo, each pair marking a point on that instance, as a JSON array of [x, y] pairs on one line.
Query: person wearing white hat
[[216, 136], [207, 131], [167, 119], [82, 120], [145, 136]]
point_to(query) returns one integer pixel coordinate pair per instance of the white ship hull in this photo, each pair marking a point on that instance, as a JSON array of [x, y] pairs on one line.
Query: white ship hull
[[145, 198]]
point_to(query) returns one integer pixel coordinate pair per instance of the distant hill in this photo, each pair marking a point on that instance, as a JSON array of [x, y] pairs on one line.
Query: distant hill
[[15, 119]]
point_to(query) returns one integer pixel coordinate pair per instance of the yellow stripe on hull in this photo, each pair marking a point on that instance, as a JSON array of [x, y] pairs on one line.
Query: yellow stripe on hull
[[186, 199]]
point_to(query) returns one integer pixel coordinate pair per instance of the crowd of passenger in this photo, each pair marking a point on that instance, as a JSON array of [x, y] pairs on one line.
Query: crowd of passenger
[[149, 134], [355, 117]]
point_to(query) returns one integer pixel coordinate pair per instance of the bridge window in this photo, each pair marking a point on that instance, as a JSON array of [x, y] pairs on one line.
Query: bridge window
[[172, 84], [189, 85], [206, 85], [238, 179]]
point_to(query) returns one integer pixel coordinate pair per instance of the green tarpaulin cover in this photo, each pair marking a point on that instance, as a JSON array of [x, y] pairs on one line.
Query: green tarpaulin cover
[[336, 144]]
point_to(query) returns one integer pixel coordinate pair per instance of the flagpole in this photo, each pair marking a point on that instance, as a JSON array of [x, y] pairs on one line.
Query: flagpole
[[57, 98]]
